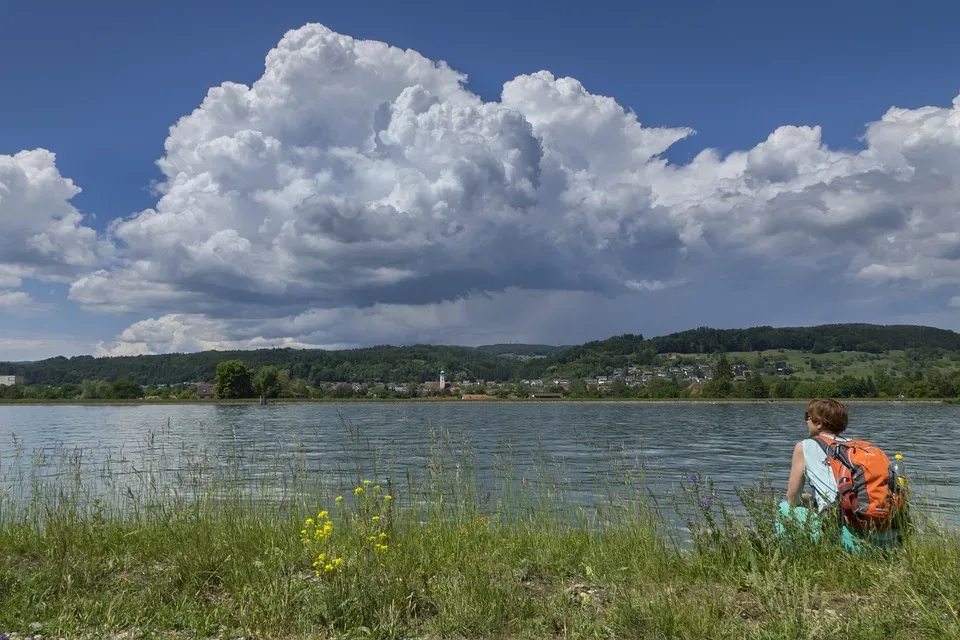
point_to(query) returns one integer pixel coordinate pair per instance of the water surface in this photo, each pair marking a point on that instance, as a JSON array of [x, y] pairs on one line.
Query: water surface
[[733, 444]]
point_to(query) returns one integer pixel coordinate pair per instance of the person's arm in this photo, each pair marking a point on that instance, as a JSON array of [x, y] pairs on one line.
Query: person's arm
[[795, 484]]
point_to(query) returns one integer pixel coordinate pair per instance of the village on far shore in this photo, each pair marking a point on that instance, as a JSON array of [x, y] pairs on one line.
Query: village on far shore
[[685, 376], [466, 389]]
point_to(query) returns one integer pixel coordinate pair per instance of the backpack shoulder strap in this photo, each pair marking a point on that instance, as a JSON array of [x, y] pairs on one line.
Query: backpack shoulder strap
[[834, 450]]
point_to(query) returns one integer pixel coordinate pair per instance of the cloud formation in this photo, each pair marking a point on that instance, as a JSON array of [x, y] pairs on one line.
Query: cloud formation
[[14, 299], [353, 173], [43, 236], [359, 193], [471, 320]]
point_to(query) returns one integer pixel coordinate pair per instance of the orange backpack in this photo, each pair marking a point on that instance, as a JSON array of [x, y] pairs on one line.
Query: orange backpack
[[868, 492]]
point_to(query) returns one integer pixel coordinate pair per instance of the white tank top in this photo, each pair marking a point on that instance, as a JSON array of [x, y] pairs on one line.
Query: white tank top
[[819, 474]]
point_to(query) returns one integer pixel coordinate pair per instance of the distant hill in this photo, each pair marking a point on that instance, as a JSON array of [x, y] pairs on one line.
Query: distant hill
[[628, 349], [820, 339], [520, 350], [418, 363]]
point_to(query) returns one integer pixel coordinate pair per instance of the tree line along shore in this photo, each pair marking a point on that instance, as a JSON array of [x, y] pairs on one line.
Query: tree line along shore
[[844, 361]]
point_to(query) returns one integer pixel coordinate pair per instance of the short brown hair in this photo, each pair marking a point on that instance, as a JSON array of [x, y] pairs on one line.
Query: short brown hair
[[828, 412]]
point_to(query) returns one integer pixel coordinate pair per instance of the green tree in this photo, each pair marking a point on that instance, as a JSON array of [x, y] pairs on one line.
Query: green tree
[[267, 382], [69, 391], [94, 389], [522, 390], [12, 392], [125, 390], [783, 388], [661, 388], [619, 389], [759, 363], [755, 387], [233, 380], [298, 388], [722, 383]]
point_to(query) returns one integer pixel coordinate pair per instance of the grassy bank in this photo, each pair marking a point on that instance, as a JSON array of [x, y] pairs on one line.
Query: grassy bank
[[181, 545]]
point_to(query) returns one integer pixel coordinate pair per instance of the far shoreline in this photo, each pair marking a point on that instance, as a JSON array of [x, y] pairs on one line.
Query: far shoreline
[[290, 401]]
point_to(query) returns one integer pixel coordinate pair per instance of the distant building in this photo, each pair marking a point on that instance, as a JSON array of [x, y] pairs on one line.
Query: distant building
[[9, 381], [435, 385], [206, 390]]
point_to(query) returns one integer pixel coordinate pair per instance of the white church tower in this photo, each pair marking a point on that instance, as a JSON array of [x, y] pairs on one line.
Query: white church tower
[[443, 379]]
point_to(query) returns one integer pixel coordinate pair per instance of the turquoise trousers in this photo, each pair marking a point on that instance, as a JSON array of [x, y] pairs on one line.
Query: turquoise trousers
[[852, 542]]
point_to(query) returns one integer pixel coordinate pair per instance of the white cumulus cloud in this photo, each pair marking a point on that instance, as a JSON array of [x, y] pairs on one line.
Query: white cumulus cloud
[[356, 184], [14, 299], [42, 235], [353, 173]]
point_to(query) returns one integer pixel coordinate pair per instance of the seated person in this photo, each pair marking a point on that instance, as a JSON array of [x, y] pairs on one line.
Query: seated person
[[826, 420]]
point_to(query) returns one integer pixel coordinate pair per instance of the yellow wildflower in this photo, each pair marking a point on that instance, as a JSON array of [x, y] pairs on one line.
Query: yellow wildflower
[[382, 535], [322, 557], [309, 522], [303, 532], [337, 562], [328, 568], [358, 491], [338, 499], [376, 518], [366, 483], [388, 497], [372, 538], [323, 514], [376, 487]]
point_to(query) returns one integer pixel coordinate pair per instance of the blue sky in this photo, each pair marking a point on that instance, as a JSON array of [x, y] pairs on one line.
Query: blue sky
[[100, 88]]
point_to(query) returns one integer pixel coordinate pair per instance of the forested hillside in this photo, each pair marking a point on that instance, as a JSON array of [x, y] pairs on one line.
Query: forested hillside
[[492, 362], [821, 339], [625, 350], [400, 364], [521, 350]]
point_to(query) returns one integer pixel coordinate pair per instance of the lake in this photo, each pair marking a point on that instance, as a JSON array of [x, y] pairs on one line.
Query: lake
[[730, 443]]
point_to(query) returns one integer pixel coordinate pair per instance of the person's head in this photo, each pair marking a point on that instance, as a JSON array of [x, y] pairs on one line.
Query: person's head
[[826, 416]]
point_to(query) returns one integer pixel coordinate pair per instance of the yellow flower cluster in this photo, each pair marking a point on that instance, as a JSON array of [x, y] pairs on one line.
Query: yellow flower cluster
[[313, 529], [368, 516], [317, 532], [364, 485], [322, 566], [379, 541]]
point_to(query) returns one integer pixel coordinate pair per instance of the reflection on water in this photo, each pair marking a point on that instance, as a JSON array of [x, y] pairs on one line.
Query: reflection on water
[[576, 445]]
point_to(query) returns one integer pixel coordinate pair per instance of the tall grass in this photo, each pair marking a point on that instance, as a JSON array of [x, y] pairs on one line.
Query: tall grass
[[169, 542]]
